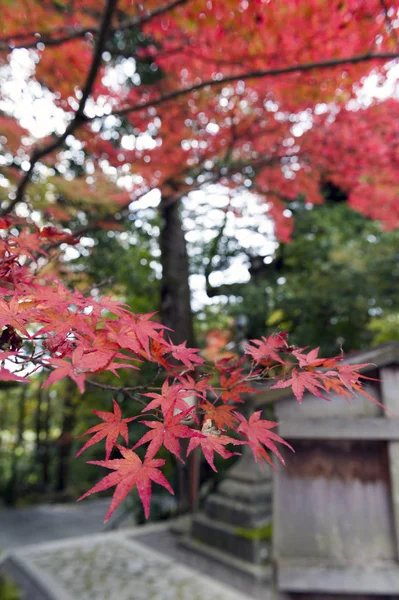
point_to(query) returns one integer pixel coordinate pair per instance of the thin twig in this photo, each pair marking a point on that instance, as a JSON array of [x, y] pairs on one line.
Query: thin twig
[[69, 34], [79, 116]]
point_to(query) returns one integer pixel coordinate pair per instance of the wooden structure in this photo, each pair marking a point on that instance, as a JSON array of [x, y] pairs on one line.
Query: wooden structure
[[336, 503], [334, 507]]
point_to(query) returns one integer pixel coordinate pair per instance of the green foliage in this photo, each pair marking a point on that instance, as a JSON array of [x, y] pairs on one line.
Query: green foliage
[[125, 265], [8, 590], [335, 284], [385, 329]]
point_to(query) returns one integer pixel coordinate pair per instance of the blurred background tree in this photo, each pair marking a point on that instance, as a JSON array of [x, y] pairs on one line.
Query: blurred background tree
[[336, 284]]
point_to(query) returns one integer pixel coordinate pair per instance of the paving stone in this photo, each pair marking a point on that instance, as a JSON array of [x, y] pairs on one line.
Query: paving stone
[[48, 522], [114, 566]]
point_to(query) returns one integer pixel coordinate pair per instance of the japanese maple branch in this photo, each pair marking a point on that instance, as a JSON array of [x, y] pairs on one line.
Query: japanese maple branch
[[68, 35], [302, 68], [123, 389], [79, 116]]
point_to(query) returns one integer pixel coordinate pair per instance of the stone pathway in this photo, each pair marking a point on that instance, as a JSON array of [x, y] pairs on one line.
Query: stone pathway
[[48, 522], [113, 566]]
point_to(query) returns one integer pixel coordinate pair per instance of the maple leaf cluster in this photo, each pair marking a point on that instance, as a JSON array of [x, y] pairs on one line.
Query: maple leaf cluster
[[46, 326]]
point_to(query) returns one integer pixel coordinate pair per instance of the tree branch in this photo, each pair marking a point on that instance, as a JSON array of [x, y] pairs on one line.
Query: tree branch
[[69, 34], [301, 68], [79, 116]]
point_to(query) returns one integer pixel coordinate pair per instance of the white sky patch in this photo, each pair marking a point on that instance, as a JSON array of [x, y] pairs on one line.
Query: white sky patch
[[253, 231], [236, 273], [139, 142], [149, 200], [26, 100], [199, 298], [380, 88]]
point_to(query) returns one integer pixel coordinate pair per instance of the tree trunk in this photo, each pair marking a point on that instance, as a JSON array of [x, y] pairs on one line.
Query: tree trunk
[[10, 491], [46, 442], [175, 291], [38, 423], [176, 314], [65, 440], [41, 448]]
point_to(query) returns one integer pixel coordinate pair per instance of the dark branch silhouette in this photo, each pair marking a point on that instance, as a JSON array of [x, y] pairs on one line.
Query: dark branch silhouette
[[302, 68], [67, 34], [79, 116]]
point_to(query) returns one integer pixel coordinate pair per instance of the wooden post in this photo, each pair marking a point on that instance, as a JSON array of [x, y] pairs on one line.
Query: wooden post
[[390, 396], [336, 503]]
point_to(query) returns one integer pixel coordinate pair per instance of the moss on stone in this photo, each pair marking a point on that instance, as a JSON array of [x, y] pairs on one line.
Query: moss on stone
[[255, 533], [8, 590]]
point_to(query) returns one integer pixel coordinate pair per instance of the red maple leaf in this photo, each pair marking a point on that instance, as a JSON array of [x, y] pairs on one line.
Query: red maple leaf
[[311, 360], [348, 374], [84, 362], [267, 348], [99, 356], [171, 397], [223, 415], [52, 303], [198, 387], [158, 349], [5, 223], [128, 472], [145, 329], [11, 313], [212, 443], [259, 435], [124, 336], [55, 235], [236, 384], [301, 381], [106, 303], [64, 369], [25, 243], [188, 356], [88, 359], [349, 377], [6, 375], [167, 433], [62, 323], [112, 427]]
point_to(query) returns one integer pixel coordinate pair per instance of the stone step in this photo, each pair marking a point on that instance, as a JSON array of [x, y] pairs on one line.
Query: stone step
[[255, 492], [259, 573], [230, 539], [242, 514]]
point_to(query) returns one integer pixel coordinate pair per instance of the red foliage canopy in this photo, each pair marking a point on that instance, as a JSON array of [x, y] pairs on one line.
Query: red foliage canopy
[[254, 95]]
